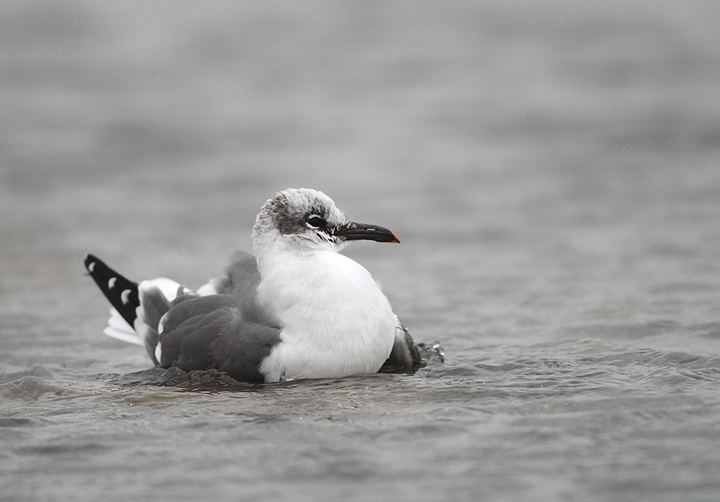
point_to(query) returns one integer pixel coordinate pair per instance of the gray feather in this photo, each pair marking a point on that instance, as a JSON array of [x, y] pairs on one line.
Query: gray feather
[[227, 331]]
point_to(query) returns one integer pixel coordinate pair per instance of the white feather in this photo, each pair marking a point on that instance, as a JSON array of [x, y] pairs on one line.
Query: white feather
[[207, 289], [119, 328], [336, 320], [168, 287]]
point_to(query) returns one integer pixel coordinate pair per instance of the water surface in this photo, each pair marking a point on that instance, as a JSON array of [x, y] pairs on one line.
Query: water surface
[[552, 170]]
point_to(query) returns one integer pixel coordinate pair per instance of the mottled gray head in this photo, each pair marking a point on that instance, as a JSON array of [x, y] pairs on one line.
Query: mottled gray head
[[308, 218]]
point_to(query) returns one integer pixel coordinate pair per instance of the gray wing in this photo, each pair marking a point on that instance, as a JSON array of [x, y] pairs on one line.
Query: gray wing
[[227, 331], [204, 332], [240, 280]]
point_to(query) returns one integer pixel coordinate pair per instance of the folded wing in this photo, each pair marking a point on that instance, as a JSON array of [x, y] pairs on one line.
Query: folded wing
[[201, 332]]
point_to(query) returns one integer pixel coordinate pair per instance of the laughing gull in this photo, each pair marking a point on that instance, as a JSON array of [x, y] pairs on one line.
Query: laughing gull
[[297, 309]]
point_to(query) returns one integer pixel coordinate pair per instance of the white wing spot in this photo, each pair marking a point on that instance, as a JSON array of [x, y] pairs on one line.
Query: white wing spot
[[91, 267], [111, 282], [125, 296]]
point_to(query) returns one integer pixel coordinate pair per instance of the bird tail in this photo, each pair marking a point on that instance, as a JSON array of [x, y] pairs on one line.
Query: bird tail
[[137, 308]]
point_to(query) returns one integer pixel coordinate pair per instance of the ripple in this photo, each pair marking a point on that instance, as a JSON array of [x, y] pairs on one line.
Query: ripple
[[17, 422], [36, 371], [32, 388]]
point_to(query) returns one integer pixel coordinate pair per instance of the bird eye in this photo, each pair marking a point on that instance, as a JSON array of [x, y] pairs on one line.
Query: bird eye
[[316, 222]]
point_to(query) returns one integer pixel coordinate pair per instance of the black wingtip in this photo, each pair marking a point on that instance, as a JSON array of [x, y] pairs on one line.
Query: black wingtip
[[119, 290]]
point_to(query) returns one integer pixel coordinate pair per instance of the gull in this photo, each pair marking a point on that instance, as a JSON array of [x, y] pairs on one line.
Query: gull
[[297, 309]]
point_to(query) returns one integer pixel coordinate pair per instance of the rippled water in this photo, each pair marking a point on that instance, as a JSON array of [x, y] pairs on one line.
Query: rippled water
[[552, 170]]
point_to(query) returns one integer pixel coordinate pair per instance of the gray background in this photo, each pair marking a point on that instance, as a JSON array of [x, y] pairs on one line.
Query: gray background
[[552, 168]]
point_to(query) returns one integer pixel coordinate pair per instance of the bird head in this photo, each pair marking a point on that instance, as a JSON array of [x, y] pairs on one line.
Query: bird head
[[308, 219]]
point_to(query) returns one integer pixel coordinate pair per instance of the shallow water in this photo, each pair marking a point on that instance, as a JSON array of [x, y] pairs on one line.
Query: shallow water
[[552, 170]]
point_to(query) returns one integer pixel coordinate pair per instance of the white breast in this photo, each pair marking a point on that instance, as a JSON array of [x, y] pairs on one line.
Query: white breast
[[336, 321]]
